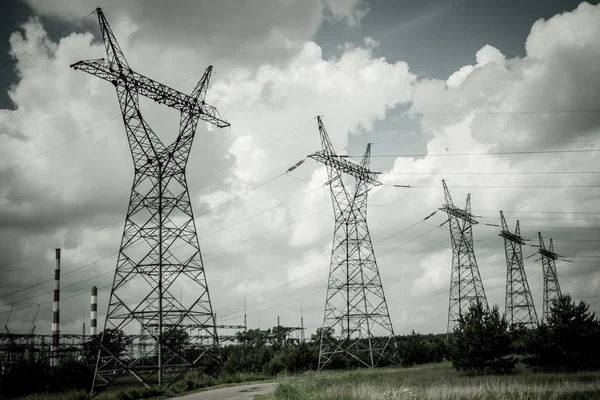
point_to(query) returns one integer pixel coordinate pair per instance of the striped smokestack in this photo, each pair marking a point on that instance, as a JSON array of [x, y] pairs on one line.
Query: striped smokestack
[[56, 308], [93, 309]]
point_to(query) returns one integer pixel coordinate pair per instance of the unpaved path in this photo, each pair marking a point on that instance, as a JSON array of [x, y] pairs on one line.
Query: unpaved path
[[234, 392]]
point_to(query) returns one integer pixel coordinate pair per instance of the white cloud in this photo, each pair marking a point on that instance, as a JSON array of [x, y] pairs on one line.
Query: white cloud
[[84, 185]]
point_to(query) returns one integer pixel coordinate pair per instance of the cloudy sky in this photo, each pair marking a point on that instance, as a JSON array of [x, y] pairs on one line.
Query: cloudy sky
[[500, 100]]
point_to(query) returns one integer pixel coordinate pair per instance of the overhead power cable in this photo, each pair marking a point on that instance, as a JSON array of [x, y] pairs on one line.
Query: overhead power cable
[[450, 114], [205, 254], [191, 185], [41, 42], [498, 153], [494, 173]]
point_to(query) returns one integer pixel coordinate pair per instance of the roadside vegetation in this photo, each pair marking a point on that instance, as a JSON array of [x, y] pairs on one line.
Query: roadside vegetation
[[482, 359]]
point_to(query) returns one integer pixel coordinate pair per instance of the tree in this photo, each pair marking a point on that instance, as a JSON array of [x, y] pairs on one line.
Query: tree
[[316, 337], [253, 337], [568, 341], [176, 339], [413, 350], [115, 342], [481, 342]]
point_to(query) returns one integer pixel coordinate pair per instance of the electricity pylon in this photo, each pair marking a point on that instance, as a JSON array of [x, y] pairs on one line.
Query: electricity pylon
[[519, 308], [466, 286], [551, 285], [159, 251], [355, 305]]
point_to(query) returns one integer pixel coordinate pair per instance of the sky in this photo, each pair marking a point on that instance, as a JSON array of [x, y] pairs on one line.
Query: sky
[[501, 101]]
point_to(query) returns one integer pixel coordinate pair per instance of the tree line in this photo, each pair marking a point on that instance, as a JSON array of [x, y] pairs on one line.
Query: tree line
[[481, 343]]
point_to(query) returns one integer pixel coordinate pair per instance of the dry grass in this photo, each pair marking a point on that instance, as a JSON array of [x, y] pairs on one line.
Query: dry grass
[[439, 382], [132, 390]]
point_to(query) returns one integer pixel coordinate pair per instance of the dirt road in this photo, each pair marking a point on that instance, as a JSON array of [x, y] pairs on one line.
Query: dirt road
[[234, 392]]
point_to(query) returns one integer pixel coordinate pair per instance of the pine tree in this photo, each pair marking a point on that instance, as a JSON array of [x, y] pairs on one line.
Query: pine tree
[[481, 342], [568, 341]]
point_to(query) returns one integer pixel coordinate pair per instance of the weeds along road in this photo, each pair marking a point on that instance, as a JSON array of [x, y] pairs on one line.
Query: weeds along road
[[234, 392]]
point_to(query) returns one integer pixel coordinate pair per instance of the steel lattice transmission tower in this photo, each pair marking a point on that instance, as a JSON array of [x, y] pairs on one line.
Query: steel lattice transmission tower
[[355, 305], [466, 286], [519, 307], [551, 285], [159, 252]]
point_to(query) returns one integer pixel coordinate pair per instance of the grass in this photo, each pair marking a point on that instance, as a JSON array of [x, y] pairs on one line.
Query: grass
[[435, 382], [438, 382], [191, 383]]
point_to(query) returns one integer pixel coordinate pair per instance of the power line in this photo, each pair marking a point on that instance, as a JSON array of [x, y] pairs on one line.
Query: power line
[[541, 212], [316, 283], [195, 183], [431, 114], [501, 187], [45, 40], [205, 254], [499, 153], [493, 173], [52, 279], [495, 143], [51, 301]]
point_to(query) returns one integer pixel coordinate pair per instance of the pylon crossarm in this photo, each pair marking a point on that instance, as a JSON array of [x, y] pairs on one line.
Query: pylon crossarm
[[512, 237], [548, 253], [343, 165], [156, 91], [460, 214]]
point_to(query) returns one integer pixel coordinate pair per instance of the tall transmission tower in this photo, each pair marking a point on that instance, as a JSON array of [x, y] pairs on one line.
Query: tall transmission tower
[[466, 286], [519, 307], [551, 285], [355, 305], [159, 251]]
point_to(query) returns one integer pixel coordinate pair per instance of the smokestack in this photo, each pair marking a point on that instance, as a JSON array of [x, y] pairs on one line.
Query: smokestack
[[56, 310], [93, 309]]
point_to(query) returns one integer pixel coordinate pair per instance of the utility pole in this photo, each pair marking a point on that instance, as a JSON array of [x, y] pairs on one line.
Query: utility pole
[[159, 249], [519, 308], [301, 323], [466, 286], [355, 303], [551, 285]]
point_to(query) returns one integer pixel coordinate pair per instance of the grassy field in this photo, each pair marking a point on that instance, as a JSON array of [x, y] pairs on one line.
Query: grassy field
[[131, 390], [438, 382]]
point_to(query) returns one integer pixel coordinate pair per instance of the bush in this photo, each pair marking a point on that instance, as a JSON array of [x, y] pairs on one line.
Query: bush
[[34, 377], [568, 341], [481, 342]]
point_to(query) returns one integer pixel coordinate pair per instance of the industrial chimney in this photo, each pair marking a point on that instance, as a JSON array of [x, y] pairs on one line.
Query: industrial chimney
[[93, 309], [56, 310]]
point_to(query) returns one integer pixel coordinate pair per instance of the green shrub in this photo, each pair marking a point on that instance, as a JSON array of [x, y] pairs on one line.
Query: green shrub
[[568, 341], [481, 342]]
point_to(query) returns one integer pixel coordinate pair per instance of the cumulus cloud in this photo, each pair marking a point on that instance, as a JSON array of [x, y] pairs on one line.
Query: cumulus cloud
[[278, 254], [228, 32]]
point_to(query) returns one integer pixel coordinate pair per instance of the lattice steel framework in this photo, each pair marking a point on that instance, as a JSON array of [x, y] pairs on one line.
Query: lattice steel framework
[[355, 305], [519, 307], [551, 285], [159, 251], [466, 286]]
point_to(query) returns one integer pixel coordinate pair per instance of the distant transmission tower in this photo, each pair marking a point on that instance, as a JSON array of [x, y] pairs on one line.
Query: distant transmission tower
[[355, 305], [466, 286], [519, 307], [551, 286], [159, 251]]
